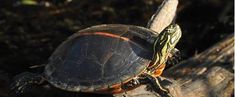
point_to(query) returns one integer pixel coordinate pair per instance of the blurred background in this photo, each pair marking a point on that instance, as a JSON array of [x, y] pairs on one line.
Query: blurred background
[[30, 30]]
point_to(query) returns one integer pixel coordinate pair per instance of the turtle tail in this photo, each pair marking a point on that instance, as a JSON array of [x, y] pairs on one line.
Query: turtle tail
[[23, 82]]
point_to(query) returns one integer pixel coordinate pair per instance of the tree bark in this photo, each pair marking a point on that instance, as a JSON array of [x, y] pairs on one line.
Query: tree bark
[[163, 16], [208, 74]]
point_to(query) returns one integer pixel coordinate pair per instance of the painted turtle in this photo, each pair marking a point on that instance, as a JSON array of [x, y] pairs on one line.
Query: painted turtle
[[110, 58]]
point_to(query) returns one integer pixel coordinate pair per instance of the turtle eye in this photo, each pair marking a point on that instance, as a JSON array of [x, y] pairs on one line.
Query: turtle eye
[[168, 31], [171, 28]]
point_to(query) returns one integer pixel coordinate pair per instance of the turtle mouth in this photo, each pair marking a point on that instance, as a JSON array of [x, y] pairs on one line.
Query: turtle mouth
[[176, 34]]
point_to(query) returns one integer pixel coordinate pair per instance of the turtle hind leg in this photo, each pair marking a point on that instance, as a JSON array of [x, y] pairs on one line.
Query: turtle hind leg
[[23, 82]]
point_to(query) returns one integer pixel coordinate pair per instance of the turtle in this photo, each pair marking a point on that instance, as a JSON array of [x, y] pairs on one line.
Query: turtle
[[106, 59]]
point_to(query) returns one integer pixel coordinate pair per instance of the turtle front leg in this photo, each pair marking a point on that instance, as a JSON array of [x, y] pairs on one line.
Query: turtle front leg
[[159, 70], [174, 57], [156, 86], [22, 82]]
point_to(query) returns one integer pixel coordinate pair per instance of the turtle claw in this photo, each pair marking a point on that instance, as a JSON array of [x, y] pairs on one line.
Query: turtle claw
[[17, 87], [22, 82], [156, 86], [175, 58]]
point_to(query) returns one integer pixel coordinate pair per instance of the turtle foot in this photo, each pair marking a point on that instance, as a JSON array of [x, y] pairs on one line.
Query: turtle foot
[[23, 82], [175, 58], [157, 87]]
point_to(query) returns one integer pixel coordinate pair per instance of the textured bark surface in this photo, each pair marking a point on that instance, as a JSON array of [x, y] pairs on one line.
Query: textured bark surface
[[164, 15], [208, 74]]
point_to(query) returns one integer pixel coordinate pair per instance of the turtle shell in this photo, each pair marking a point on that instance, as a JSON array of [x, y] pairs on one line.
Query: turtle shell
[[99, 57]]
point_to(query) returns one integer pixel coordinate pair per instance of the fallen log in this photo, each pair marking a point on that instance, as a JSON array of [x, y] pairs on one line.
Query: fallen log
[[208, 74]]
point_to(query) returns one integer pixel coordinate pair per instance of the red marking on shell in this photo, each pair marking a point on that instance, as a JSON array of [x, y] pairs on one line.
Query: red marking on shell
[[106, 34]]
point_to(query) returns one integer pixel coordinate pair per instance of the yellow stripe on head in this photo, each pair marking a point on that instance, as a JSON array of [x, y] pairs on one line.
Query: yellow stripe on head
[[165, 42]]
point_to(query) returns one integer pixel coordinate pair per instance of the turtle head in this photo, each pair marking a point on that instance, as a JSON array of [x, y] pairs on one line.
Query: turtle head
[[164, 43]]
